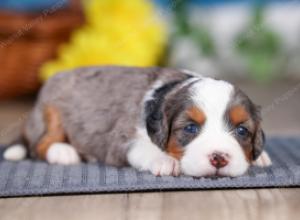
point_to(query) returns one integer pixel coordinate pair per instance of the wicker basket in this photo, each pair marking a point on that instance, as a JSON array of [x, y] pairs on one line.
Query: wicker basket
[[27, 41]]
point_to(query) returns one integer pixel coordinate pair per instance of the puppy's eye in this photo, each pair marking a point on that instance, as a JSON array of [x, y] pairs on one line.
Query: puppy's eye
[[242, 131], [192, 128]]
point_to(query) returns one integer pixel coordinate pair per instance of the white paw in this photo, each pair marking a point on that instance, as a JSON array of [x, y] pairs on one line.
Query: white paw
[[15, 153], [165, 166], [61, 153], [263, 160]]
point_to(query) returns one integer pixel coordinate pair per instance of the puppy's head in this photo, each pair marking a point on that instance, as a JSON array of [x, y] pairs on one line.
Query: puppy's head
[[211, 126]]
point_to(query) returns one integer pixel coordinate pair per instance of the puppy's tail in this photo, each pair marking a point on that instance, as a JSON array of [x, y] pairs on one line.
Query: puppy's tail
[[16, 151]]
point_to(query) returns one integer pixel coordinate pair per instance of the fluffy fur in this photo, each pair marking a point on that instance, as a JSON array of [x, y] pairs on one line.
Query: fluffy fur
[[213, 97], [138, 116]]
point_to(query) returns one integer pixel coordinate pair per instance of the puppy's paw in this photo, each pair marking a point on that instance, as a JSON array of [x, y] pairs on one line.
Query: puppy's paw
[[263, 160], [15, 153], [61, 153], [165, 165]]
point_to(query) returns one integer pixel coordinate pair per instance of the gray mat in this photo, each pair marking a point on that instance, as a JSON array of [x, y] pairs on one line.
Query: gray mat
[[32, 178]]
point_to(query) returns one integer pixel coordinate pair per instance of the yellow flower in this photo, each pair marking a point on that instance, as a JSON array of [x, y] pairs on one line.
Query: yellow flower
[[116, 32]]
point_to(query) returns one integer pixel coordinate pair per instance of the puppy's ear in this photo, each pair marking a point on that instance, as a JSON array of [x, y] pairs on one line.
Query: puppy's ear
[[258, 140], [166, 101], [157, 123]]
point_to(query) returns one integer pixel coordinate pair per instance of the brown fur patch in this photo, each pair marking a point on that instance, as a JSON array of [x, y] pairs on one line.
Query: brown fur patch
[[196, 114], [238, 115], [174, 149], [54, 131], [248, 153]]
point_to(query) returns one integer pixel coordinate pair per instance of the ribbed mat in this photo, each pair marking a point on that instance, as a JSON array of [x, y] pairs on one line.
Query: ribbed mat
[[32, 178]]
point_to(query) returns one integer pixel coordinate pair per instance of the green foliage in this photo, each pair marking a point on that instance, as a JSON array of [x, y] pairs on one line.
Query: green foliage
[[199, 35], [257, 44], [261, 48], [204, 41]]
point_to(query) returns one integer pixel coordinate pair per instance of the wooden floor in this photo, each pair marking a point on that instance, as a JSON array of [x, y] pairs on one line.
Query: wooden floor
[[281, 106], [265, 204]]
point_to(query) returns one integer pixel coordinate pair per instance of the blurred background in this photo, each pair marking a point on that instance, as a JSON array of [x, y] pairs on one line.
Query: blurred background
[[254, 44]]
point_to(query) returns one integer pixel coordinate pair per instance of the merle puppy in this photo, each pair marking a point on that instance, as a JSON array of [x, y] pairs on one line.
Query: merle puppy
[[162, 120]]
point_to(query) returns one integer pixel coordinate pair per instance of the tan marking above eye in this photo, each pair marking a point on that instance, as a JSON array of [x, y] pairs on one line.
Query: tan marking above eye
[[196, 115], [238, 115]]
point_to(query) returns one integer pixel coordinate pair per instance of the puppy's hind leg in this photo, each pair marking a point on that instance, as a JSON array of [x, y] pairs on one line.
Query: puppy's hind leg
[[52, 146]]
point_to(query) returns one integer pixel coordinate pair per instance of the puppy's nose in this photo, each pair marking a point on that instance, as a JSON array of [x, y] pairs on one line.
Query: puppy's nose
[[218, 160]]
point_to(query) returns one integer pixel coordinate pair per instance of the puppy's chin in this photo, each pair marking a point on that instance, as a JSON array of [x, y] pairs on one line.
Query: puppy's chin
[[233, 171], [213, 172], [205, 169]]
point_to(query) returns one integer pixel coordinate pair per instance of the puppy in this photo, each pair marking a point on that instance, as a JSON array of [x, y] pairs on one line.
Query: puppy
[[161, 120]]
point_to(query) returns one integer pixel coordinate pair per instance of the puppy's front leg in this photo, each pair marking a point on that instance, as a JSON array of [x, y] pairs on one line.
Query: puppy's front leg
[[145, 155], [263, 160]]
